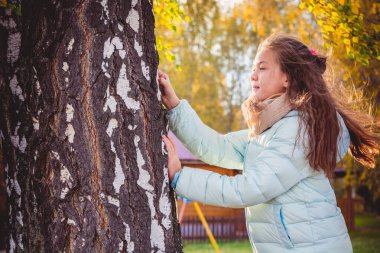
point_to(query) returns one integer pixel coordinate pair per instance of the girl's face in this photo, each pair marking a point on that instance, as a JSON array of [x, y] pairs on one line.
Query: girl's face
[[267, 78]]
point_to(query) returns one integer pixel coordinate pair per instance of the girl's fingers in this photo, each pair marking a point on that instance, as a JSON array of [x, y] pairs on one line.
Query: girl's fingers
[[168, 144], [173, 143], [162, 74]]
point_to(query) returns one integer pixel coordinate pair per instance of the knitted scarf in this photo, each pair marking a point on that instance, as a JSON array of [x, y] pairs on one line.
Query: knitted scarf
[[261, 115]]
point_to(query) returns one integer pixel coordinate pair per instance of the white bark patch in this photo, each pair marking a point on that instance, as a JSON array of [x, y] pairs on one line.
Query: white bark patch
[[8, 182], [122, 89], [157, 233], [138, 48], [164, 204], [122, 54], [119, 174], [19, 239], [144, 175], [159, 97], [71, 222], [15, 138], [14, 43], [65, 66], [56, 155], [111, 126], [157, 236], [130, 127], [36, 124], [35, 203], [16, 186], [38, 86], [9, 24], [121, 245], [70, 133], [19, 218], [106, 11], [16, 142], [70, 46], [133, 20], [113, 201], [15, 88], [69, 113], [12, 245], [145, 70], [64, 192], [127, 237], [110, 46], [152, 208], [110, 102], [105, 71], [116, 41], [164, 152], [9, 186], [65, 177], [120, 26], [108, 49], [23, 144], [18, 201]]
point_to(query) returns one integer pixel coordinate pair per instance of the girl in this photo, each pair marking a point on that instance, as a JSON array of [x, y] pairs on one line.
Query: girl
[[297, 133]]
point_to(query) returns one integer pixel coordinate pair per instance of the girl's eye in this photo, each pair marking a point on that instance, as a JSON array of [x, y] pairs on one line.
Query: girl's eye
[[262, 68]]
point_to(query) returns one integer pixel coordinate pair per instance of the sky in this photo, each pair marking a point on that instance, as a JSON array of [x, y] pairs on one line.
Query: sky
[[227, 4]]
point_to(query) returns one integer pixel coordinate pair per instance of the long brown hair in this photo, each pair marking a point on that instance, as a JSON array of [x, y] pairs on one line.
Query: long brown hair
[[310, 95]]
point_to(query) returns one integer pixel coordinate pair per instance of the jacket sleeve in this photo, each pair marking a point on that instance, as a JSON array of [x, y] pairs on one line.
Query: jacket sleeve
[[277, 168], [205, 143]]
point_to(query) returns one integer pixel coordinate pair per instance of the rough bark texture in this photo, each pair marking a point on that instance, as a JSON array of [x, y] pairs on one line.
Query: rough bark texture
[[81, 124]]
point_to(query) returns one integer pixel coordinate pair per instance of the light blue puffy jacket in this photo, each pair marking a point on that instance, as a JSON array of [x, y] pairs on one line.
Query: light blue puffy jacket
[[290, 207]]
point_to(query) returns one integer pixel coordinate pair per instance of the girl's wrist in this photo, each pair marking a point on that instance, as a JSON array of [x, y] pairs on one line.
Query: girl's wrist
[[172, 104]]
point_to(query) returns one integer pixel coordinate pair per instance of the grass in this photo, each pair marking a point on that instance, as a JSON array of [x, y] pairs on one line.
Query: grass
[[365, 239], [225, 247]]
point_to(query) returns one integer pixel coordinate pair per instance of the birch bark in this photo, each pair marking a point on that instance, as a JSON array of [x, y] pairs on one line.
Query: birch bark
[[81, 124]]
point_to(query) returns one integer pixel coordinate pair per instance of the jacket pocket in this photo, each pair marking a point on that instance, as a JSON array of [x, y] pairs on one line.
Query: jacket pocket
[[281, 227]]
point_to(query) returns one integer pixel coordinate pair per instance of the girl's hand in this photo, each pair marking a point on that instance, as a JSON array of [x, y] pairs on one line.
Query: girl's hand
[[174, 165], [169, 98]]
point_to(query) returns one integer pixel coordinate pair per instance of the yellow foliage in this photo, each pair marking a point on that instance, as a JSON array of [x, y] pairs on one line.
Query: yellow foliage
[[341, 2], [3, 3], [328, 28], [354, 22], [168, 17]]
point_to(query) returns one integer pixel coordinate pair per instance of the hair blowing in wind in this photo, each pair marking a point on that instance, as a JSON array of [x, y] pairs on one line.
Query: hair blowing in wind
[[309, 93]]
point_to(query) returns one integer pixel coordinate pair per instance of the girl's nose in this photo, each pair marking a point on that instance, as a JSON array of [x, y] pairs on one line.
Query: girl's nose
[[253, 76]]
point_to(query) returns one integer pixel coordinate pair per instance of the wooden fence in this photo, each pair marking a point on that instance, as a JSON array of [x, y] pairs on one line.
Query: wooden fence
[[223, 229]]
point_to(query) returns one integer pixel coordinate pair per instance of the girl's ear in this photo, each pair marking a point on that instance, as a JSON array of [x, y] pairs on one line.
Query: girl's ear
[[286, 83]]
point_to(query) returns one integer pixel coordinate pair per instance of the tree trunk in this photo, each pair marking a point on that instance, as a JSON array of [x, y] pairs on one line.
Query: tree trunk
[[81, 124]]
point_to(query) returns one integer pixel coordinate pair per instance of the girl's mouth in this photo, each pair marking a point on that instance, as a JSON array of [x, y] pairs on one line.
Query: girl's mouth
[[255, 87]]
